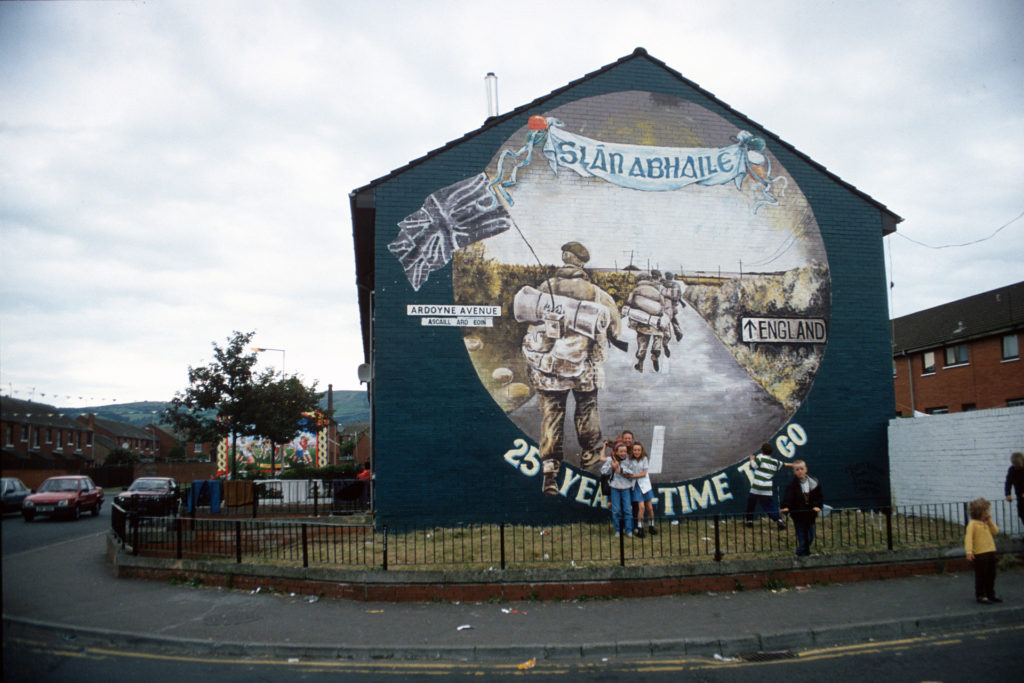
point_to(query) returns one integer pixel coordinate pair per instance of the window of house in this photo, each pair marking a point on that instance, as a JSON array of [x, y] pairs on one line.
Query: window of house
[[197, 447], [941, 410], [49, 435], [35, 437], [60, 440], [8, 435], [967, 407], [1011, 351], [1015, 402], [928, 363], [24, 433], [956, 355], [71, 438]]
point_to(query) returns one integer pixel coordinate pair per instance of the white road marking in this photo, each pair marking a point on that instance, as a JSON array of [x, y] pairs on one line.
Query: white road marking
[[657, 449]]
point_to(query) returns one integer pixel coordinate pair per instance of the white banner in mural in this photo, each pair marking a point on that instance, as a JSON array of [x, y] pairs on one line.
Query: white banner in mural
[[469, 211], [644, 167]]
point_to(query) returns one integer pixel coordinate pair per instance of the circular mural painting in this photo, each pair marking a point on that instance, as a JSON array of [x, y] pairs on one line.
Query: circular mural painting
[[659, 272]]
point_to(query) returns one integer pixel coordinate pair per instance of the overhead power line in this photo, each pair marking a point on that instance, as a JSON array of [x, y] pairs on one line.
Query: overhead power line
[[964, 244]]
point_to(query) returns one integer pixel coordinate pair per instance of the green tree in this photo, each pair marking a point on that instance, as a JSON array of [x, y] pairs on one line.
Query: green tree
[[283, 400], [176, 453], [348, 447], [121, 456], [228, 398]]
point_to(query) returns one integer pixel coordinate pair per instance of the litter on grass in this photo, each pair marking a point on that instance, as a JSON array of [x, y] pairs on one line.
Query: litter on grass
[[528, 664], [464, 627]]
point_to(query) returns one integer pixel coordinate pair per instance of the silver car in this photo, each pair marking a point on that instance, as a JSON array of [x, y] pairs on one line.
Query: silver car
[[14, 492]]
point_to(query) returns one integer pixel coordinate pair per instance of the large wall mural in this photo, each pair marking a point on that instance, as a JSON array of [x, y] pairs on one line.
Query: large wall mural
[[631, 261]]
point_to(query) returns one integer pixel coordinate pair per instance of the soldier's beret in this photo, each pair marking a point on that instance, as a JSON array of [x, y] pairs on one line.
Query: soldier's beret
[[578, 250]]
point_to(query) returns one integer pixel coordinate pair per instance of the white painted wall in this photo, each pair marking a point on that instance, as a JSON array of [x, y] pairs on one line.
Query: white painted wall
[[956, 457]]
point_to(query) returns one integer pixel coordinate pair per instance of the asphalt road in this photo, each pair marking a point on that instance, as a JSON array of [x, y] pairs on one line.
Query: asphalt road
[[990, 654], [713, 413], [48, 562], [19, 536]]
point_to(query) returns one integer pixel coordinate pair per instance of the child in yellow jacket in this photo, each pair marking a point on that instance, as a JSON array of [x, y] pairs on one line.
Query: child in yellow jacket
[[981, 550]]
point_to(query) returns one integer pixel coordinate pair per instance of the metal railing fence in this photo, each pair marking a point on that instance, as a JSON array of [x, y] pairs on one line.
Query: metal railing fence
[[501, 546]]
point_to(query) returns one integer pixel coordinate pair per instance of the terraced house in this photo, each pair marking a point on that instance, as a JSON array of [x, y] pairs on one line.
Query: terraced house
[[961, 356], [37, 435]]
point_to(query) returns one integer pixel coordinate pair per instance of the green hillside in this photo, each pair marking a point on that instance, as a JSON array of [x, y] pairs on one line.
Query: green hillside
[[349, 407]]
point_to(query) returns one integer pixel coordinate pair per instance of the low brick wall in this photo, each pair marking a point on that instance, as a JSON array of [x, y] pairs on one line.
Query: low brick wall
[[33, 478], [546, 584]]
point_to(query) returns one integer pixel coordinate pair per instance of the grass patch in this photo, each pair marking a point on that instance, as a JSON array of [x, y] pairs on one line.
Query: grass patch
[[575, 545], [1007, 563]]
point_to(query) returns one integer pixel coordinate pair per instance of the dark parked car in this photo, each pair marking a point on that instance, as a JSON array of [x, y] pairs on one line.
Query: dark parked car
[[150, 496], [14, 492], [66, 496]]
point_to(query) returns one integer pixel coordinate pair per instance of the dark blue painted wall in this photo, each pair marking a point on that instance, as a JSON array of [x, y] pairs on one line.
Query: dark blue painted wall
[[439, 435]]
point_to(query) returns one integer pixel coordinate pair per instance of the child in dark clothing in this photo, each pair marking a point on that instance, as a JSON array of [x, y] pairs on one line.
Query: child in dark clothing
[[1015, 481], [803, 500]]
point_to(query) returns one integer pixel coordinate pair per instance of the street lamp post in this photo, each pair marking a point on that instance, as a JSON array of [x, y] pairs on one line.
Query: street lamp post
[[259, 349]]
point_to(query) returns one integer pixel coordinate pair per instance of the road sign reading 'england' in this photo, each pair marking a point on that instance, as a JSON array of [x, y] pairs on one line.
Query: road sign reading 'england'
[[784, 330]]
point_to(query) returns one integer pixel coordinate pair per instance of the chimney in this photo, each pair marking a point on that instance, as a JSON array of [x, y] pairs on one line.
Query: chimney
[[491, 84]]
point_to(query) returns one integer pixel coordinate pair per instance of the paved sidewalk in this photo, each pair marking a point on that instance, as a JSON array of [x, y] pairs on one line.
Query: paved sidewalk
[[71, 586]]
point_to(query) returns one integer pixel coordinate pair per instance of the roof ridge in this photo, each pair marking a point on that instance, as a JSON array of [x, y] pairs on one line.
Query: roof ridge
[[637, 53]]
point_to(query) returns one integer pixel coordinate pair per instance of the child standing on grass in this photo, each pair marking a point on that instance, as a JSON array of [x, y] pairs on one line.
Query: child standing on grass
[[802, 501], [621, 489], [981, 550], [643, 491]]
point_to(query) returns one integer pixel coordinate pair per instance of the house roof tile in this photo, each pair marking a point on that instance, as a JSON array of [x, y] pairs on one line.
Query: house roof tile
[[984, 314], [29, 412]]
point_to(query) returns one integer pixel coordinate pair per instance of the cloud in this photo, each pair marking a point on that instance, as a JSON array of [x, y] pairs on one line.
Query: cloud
[[176, 171]]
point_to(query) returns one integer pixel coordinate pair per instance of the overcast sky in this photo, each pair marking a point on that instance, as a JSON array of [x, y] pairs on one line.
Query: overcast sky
[[173, 171]]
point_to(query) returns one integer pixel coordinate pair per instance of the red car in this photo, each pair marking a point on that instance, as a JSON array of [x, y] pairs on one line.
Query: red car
[[67, 496]]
